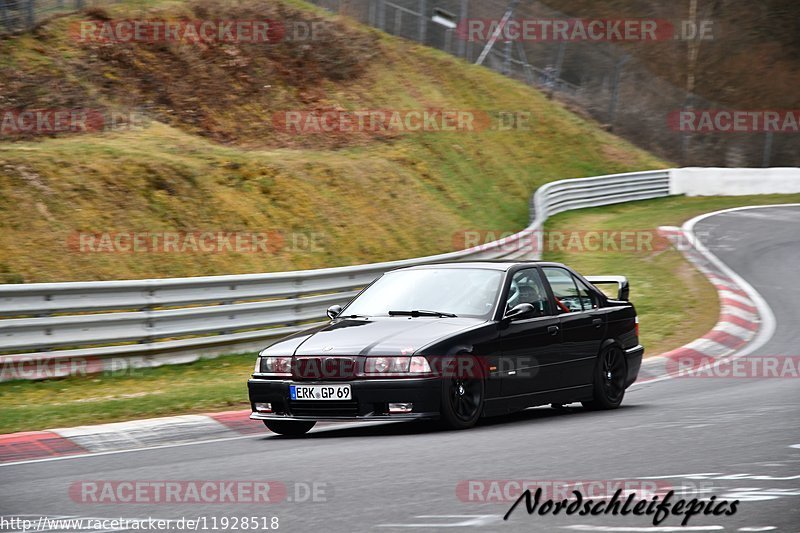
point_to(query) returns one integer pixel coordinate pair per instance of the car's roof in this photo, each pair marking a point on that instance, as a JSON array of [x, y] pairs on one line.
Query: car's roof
[[502, 265]]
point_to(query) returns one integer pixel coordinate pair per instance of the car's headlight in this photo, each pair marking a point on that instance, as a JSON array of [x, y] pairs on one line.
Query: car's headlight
[[396, 365], [419, 365], [274, 366]]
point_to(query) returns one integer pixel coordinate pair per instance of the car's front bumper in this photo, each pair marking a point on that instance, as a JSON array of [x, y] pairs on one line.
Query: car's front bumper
[[370, 400], [634, 359]]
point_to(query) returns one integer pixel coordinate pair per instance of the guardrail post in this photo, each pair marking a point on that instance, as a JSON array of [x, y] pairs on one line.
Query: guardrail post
[[226, 331]]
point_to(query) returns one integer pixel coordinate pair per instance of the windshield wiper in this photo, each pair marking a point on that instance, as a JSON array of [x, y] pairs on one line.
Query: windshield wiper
[[438, 314]]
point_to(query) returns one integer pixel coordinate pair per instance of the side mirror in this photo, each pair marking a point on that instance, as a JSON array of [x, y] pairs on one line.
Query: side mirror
[[519, 311], [334, 311]]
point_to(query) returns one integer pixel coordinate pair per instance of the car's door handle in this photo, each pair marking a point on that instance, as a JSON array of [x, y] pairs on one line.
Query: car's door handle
[[552, 330], [597, 322]]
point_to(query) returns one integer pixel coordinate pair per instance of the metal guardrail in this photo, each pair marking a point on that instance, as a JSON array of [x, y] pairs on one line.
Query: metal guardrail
[[175, 320]]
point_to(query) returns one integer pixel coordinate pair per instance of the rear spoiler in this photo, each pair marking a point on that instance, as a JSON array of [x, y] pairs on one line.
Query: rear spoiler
[[623, 289]]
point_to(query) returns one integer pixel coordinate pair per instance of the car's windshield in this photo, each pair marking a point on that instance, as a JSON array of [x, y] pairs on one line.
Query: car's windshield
[[469, 292]]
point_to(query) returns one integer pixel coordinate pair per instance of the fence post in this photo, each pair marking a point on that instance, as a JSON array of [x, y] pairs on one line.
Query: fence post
[[382, 15], [686, 136], [526, 67], [31, 19], [562, 50], [767, 149], [423, 21], [6, 19], [612, 108], [464, 15], [556, 70], [372, 15], [507, 58], [398, 22]]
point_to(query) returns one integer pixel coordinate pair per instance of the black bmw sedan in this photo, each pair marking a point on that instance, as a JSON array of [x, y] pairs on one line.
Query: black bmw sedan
[[454, 342]]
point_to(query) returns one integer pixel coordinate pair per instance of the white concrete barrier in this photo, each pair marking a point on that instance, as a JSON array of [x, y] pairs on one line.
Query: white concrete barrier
[[734, 181]]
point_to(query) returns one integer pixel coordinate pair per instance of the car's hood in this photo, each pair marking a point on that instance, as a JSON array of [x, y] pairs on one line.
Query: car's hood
[[382, 336]]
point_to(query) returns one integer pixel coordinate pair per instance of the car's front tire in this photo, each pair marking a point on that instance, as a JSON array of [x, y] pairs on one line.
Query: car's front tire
[[289, 427], [462, 396], [609, 380]]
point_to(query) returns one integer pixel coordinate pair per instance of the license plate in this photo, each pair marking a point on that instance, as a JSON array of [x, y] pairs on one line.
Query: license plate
[[320, 392]]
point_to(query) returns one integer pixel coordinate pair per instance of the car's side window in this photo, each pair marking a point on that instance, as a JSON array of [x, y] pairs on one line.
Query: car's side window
[[568, 299], [527, 288], [587, 297]]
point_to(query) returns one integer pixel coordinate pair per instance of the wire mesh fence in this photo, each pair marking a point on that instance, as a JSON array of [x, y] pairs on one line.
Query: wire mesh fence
[[612, 86], [615, 88]]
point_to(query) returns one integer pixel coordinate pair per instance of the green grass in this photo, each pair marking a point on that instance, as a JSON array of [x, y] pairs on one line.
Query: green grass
[[204, 386]]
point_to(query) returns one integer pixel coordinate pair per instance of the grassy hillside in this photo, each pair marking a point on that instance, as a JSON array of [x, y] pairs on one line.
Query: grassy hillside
[[209, 157]]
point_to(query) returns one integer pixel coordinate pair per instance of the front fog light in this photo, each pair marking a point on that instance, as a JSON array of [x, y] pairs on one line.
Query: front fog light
[[400, 408], [264, 407]]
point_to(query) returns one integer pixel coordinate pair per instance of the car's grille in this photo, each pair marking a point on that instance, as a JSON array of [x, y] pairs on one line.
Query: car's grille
[[325, 368], [347, 408]]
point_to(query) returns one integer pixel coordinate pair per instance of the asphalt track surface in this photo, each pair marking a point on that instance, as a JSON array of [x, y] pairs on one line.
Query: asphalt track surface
[[731, 438]]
